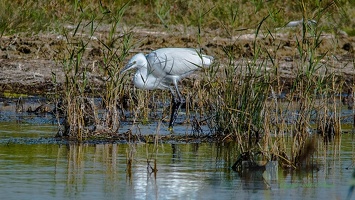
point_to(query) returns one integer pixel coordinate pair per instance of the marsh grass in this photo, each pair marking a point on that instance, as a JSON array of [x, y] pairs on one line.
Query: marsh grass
[[75, 85], [34, 16], [240, 97], [242, 100], [252, 106], [112, 63], [245, 100], [82, 116]]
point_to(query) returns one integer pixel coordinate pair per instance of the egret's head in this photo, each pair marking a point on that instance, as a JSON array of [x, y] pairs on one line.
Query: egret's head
[[137, 61]]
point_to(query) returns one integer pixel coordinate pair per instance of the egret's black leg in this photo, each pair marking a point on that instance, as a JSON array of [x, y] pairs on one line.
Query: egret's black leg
[[181, 99], [177, 103], [174, 112]]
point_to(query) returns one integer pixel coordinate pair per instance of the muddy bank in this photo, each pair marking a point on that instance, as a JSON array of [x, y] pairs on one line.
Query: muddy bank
[[29, 63]]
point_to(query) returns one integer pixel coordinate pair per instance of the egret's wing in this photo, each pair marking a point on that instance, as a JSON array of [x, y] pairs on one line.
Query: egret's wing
[[176, 61]]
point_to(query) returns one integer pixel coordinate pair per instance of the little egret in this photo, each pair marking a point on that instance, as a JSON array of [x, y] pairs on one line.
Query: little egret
[[164, 68]]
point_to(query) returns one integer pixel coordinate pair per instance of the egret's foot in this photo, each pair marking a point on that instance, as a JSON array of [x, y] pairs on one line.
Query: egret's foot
[[171, 129]]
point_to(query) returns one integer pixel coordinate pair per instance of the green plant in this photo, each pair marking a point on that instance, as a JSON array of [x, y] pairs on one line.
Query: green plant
[[113, 58], [246, 102], [81, 115]]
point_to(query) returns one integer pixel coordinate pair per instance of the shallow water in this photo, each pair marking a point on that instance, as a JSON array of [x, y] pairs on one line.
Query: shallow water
[[40, 170]]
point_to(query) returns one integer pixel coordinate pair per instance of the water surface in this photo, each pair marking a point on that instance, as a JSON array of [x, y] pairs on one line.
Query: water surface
[[38, 170]]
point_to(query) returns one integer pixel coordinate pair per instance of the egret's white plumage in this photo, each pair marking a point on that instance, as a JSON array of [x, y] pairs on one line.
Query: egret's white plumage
[[144, 80], [165, 67], [176, 63]]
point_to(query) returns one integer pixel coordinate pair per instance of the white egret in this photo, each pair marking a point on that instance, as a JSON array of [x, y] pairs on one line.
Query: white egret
[[165, 67]]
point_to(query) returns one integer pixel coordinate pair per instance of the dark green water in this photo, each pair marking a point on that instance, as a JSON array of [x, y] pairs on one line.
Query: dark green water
[[36, 169]]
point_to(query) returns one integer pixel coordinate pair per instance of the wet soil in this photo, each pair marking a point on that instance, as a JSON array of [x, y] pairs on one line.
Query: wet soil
[[28, 63]]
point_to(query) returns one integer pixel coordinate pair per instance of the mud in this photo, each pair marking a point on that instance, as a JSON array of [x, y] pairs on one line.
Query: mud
[[29, 63]]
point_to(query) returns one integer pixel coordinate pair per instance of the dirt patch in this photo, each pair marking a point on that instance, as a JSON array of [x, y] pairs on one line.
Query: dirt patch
[[29, 63]]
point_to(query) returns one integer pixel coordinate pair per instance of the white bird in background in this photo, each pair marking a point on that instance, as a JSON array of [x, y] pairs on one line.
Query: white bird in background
[[296, 23], [165, 67]]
